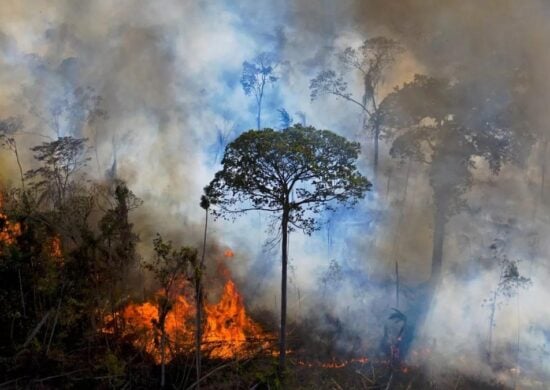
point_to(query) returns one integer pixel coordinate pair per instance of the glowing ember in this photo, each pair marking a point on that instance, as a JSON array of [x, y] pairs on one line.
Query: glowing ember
[[227, 327], [54, 248], [9, 231]]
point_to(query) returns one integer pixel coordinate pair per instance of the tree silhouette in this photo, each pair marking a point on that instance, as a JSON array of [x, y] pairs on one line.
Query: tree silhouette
[[294, 173], [436, 122], [256, 75], [371, 60]]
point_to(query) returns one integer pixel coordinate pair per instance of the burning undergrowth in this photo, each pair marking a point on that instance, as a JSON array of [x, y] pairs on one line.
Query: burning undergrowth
[[9, 231], [228, 330]]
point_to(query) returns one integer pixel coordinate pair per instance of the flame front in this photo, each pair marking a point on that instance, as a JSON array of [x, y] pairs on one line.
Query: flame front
[[9, 231], [227, 327]]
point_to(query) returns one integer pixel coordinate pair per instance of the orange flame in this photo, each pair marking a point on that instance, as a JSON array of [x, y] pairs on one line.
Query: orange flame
[[54, 249], [226, 333], [228, 325], [9, 231]]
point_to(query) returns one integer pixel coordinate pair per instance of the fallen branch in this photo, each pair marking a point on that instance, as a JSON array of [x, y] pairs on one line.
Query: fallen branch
[[336, 383], [40, 380], [2, 385], [365, 377], [458, 382], [36, 329], [389, 382]]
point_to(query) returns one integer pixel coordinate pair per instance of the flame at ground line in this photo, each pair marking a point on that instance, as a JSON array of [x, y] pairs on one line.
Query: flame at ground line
[[228, 325], [227, 332], [9, 231]]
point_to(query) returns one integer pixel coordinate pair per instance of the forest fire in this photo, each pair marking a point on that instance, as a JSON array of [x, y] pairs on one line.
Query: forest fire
[[9, 231], [228, 331], [263, 195]]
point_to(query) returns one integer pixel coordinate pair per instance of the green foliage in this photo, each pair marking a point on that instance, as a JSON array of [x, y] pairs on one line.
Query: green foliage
[[116, 230], [261, 169], [205, 202], [63, 274], [169, 264]]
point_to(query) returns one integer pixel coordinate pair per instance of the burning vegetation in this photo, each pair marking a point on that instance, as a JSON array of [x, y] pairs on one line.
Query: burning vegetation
[[9, 231], [229, 333], [288, 201]]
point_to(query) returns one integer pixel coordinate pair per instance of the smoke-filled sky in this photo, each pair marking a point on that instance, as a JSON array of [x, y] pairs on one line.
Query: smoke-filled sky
[[167, 73]]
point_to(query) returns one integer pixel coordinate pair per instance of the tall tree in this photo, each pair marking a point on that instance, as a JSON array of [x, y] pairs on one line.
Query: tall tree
[[371, 60], [61, 160], [8, 129], [448, 126], [261, 71], [119, 242], [295, 174], [509, 284], [198, 273]]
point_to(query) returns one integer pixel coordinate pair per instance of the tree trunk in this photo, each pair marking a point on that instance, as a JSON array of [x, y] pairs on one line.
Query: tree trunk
[[258, 118], [491, 326], [438, 240], [543, 169], [162, 357], [55, 318], [284, 258], [21, 292], [19, 165], [364, 98], [397, 284], [375, 162], [198, 327], [199, 303], [518, 320]]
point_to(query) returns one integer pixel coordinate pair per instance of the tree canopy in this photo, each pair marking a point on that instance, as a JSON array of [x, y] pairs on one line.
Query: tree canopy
[[262, 168], [371, 61]]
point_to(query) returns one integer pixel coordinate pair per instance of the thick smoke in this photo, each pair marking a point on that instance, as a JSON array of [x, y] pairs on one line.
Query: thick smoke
[[168, 77]]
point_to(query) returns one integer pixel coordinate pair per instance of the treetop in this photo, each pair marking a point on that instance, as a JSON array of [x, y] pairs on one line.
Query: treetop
[[299, 169]]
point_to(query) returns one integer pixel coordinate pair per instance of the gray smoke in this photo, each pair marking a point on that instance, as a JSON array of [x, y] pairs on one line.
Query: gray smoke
[[167, 74]]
